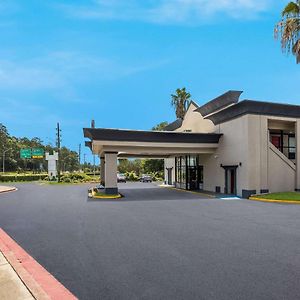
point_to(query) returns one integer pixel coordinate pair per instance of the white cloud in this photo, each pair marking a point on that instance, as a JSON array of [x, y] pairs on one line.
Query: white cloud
[[64, 70], [23, 75], [168, 11]]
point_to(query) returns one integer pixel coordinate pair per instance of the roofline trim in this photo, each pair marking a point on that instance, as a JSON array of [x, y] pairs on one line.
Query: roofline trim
[[219, 103], [95, 134], [255, 108]]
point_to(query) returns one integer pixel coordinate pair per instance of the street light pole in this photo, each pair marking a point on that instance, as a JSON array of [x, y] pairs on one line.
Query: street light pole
[[58, 143], [3, 159]]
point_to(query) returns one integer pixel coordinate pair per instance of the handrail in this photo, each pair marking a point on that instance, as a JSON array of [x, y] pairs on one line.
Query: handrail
[[282, 156]]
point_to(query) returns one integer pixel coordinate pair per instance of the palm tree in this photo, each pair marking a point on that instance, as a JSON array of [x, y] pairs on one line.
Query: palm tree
[[289, 29], [180, 101]]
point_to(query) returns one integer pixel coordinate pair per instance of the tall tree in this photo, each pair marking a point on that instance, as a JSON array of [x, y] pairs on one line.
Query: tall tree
[[13, 145], [180, 101], [288, 29]]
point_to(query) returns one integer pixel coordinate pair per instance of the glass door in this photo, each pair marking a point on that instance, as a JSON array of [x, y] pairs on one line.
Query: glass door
[[193, 178]]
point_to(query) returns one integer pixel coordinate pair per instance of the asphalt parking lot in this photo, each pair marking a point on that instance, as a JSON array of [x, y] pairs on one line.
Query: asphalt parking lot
[[157, 243]]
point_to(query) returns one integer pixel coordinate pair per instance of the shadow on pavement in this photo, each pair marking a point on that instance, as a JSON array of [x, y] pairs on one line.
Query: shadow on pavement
[[152, 194]]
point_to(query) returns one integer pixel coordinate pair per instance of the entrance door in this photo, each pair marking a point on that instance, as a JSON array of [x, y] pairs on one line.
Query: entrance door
[[169, 176], [230, 179], [192, 178]]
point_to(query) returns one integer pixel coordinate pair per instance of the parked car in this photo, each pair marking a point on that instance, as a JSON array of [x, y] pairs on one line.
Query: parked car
[[121, 177], [146, 178]]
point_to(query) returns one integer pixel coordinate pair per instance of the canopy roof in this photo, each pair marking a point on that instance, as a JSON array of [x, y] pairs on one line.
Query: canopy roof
[[149, 143]]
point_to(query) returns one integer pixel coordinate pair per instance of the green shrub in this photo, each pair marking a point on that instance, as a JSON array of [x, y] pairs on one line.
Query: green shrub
[[22, 177], [131, 176], [75, 178], [157, 176], [92, 173]]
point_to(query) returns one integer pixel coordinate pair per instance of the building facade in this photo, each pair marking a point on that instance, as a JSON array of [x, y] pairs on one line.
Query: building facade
[[225, 146]]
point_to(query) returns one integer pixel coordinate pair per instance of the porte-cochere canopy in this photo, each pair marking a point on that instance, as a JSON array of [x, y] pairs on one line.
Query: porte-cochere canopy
[[137, 143]]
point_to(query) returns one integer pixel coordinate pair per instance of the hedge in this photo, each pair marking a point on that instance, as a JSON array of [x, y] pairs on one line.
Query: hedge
[[24, 177], [92, 173]]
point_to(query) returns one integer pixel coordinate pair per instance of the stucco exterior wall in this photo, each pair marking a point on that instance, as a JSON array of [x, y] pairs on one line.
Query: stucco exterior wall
[[232, 150], [194, 122], [245, 143]]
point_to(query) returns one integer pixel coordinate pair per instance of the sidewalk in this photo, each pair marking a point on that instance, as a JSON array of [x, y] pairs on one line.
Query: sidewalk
[[11, 286], [4, 189], [23, 278]]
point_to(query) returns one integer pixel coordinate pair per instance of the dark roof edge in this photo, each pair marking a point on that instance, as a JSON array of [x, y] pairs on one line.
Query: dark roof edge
[[149, 136], [192, 102], [174, 125], [221, 102], [257, 108]]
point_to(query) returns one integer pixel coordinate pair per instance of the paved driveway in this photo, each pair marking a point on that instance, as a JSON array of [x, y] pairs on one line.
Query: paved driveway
[[157, 243]]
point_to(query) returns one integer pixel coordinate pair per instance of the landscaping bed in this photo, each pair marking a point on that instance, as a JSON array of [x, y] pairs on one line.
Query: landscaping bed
[[283, 197], [99, 194]]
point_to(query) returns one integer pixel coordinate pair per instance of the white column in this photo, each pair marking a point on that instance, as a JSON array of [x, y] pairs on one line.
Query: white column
[[169, 163], [297, 136], [102, 170], [111, 185]]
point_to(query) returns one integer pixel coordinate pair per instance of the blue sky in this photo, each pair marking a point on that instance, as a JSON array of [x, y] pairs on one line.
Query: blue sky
[[118, 61]]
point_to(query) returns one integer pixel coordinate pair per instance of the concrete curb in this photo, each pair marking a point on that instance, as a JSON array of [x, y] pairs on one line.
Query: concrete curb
[[93, 196], [7, 189], [273, 200], [40, 283], [187, 191]]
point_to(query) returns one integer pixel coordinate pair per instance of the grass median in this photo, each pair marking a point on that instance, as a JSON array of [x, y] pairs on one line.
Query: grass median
[[282, 197], [292, 196]]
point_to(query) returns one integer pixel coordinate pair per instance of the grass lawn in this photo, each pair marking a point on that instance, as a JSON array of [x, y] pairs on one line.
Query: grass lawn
[[294, 196]]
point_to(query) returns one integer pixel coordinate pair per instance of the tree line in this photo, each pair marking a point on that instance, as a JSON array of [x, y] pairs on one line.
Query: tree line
[[10, 146]]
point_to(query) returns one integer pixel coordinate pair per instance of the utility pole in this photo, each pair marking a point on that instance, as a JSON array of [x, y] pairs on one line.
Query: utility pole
[[3, 160], [79, 156], [94, 165], [58, 142], [84, 155]]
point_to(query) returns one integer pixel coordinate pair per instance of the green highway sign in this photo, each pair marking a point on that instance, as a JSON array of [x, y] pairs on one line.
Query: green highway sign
[[28, 153], [37, 152], [25, 153]]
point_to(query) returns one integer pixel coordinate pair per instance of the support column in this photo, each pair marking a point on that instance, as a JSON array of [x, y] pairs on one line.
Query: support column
[[297, 136], [111, 185], [264, 147], [102, 170]]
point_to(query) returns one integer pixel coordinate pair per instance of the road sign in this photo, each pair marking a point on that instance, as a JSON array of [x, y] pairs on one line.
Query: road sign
[[25, 153], [38, 152]]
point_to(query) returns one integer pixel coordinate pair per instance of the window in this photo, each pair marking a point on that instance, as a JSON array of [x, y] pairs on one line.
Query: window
[[284, 142], [181, 171]]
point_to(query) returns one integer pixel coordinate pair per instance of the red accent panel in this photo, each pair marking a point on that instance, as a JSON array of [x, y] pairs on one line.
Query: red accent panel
[[275, 141]]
